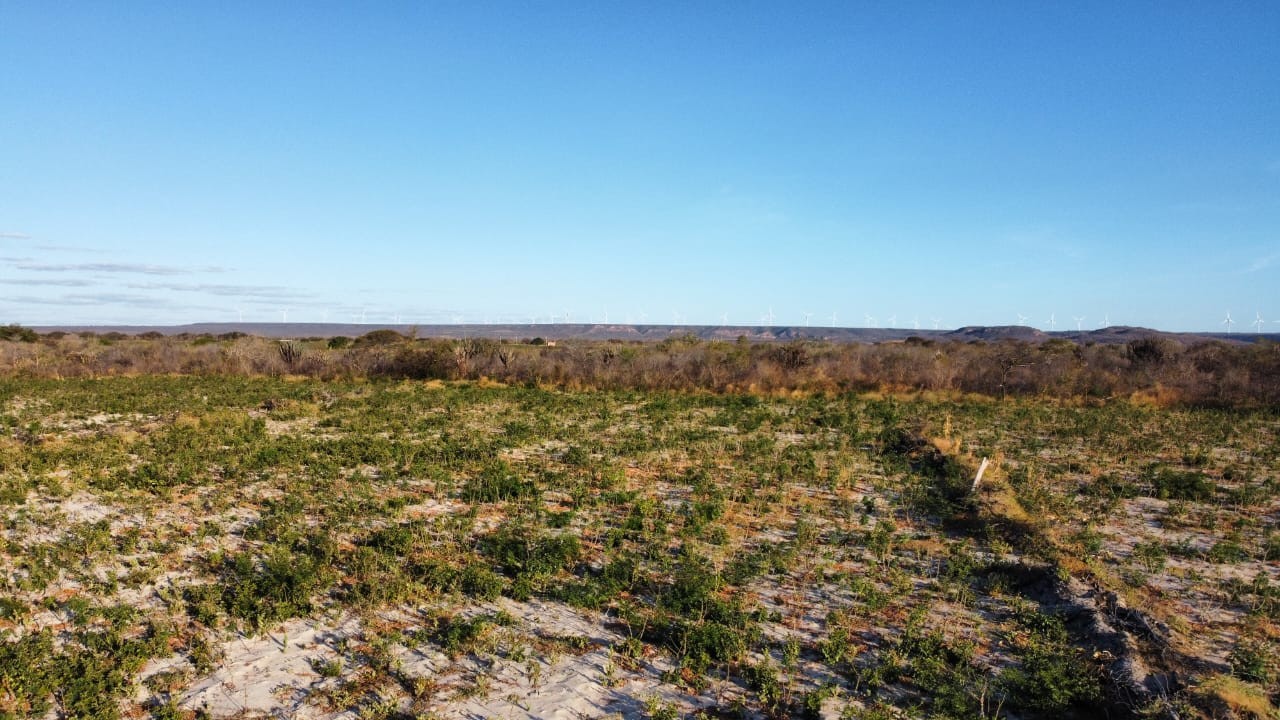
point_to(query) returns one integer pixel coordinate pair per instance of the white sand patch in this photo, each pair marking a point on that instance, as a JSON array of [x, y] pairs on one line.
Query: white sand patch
[[47, 520], [589, 684], [83, 507], [434, 508], [267, 675], [274, 675]]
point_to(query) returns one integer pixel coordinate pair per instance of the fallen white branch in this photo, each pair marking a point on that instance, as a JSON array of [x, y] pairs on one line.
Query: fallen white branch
[[981, 469]]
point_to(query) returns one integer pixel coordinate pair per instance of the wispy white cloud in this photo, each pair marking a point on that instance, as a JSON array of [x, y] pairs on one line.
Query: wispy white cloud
[[127, 268], [68, 248], [47, 282], [1263, 262], [266, 292], [83, 299], [14, 236], [148, 303]]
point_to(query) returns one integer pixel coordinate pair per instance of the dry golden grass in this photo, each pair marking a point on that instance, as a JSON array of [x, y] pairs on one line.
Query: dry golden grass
[[1241, 698]]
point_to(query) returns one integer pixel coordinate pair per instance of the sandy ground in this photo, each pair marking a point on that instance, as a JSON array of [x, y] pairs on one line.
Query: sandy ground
[[276, 674]]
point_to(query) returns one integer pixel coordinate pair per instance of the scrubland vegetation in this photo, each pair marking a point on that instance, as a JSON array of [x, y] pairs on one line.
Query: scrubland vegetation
[[400, 528], [1151, 369]]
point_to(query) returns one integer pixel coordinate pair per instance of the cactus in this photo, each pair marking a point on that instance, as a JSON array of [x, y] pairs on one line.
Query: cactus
[[290, 351]]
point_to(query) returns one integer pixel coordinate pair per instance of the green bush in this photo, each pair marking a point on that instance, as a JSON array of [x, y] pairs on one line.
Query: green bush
[[18, 333], [523, 552], [88, 672], [1252, 660], [378, 338], [481, 583], [1169, 484], [498, 482], [261, 589], [1052, 676]]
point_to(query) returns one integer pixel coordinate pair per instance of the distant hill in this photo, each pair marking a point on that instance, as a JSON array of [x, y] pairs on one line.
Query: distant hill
[[653, 333]]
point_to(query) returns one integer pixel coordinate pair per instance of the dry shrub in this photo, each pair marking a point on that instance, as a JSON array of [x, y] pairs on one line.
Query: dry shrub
[[1152, 372]]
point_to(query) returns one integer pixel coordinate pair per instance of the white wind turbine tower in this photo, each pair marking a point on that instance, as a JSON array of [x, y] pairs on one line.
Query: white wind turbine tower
[[1053, 321], [606, 316], [724, 318], [1022, 319], [1079, 322], [806, 318], [833, 318], [1258, 322], [644, 317], [893, 320], [867, 320], [770, 316], [284, 315], [915, 322], [1228, 322], [240, 311], [936, 321]]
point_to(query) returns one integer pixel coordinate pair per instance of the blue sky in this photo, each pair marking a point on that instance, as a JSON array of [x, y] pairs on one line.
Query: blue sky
[[438, 162]]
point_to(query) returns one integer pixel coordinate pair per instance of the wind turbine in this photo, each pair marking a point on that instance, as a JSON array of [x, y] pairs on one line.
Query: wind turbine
[[806, 318], [362, 315], [240, 310], [284, 315], [769, 315], [1228, 322], [893, 319], [868, 320], [1022, 319], [1078, 320], [935, 323], [1053, 321], [606, 316], [724, 318], [915, 322], [1258, 322], [833, 318]]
